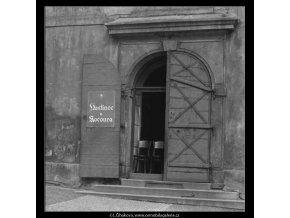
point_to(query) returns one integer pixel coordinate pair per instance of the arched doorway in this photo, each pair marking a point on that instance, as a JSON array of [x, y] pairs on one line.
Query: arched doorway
[[172, 103], [149, 103]]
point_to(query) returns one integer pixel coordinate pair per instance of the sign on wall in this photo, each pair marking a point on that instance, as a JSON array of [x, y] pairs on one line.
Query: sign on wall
[[101, 109]]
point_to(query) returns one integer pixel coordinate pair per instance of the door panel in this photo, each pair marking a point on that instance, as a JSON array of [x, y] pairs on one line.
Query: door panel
[[99, 155], [189, 117]]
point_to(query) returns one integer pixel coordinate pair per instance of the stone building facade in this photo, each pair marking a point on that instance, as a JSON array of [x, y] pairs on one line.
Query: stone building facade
[[109, 49]]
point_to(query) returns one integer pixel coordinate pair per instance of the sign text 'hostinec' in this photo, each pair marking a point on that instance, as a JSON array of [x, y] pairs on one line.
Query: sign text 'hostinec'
[[101, 109]]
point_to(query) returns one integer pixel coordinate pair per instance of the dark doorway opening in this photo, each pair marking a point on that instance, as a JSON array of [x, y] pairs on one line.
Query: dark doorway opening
[[153, 105], [153, 116], [149, 122]]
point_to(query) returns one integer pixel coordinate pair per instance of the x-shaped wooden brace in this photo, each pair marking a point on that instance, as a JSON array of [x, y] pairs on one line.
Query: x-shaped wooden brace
[[184, 68], [188, 69], [189, 146], [191, 105]]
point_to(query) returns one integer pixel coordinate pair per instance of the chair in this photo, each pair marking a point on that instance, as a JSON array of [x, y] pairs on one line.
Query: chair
[[141, 155], [157, 155]]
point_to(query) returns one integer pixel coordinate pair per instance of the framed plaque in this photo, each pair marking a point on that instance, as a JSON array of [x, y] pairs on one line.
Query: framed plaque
[[101, 109]]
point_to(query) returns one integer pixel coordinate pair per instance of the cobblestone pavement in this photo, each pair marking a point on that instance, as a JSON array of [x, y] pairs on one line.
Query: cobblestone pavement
[[65, 199]]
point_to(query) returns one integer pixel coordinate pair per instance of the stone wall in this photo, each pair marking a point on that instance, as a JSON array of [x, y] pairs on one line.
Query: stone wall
[[234, 148], [72, 32], [65, 47]]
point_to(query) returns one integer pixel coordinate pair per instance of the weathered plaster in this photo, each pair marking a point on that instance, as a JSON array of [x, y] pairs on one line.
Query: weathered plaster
[[62, 137], [235, 101], [65, 48], [234, 148], [234, 180], [74, 31], [63, 16], [63, 173]]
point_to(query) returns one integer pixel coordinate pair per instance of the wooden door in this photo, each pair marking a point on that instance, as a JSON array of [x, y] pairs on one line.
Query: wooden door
[[99, 155], [188, 133]]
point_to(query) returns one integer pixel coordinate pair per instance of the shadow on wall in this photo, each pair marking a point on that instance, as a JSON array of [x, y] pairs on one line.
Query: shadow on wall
[[62, 137]]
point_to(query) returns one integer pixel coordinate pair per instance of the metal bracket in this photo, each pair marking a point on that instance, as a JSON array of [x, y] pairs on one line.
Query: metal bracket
[[219, 92], [213, 129]]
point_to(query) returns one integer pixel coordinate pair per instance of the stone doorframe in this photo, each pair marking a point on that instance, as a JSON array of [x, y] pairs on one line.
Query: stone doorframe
[[127, 29], [134, 73]]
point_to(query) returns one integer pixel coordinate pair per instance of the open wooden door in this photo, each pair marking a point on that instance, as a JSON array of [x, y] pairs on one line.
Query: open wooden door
[[189, 93], [99, 155]]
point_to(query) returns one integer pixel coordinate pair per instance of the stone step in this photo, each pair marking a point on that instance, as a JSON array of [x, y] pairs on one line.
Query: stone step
[[232, 204], [170, 184], [197, 193]]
